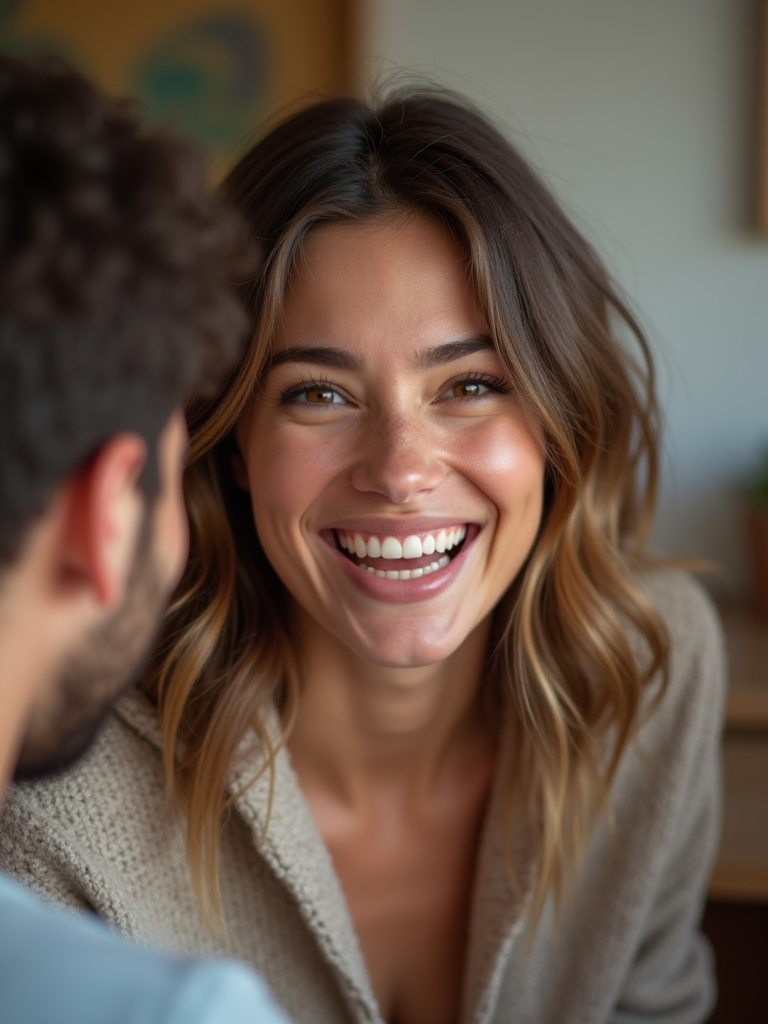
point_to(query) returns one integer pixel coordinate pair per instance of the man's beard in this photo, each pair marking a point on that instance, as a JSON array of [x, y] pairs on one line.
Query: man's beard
[[105, 664]]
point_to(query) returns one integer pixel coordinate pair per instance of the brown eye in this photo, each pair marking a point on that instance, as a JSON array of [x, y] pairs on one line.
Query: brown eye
[[466, 389], [320, 396]]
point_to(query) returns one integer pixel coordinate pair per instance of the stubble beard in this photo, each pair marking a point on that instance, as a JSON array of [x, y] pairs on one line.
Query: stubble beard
[[104, 665]]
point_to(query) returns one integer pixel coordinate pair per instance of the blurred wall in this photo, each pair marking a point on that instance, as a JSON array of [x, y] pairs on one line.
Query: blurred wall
[[642, 116]]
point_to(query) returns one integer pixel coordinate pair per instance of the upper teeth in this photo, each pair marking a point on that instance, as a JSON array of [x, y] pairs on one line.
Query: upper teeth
[[411, 547]]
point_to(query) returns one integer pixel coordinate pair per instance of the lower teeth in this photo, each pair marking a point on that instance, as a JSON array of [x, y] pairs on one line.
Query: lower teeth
[[408, 574]]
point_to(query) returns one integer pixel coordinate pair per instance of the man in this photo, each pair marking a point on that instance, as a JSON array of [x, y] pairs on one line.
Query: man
[[115, 308]]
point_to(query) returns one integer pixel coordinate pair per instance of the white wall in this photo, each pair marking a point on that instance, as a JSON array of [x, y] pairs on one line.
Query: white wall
[[641, 114]]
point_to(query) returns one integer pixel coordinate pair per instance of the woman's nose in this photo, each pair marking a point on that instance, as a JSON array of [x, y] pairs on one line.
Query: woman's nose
[[399, 461]]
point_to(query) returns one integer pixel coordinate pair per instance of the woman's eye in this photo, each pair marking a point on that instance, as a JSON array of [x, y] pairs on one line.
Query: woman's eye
[[321, 396], [466, 389], [311, 394]]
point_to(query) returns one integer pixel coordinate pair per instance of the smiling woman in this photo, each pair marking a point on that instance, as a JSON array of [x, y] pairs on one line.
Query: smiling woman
[[414, 437], [443, 736]]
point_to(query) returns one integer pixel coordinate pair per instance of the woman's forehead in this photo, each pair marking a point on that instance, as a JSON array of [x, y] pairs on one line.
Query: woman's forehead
[[391, 278]]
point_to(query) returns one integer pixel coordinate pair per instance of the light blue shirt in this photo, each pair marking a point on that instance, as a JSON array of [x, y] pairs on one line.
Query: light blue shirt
[[59, 967]]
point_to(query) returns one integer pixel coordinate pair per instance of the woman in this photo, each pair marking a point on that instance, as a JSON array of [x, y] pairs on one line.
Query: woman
[[443, 740]]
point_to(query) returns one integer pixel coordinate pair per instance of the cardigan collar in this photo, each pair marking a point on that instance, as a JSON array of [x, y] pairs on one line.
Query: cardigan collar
[[290, 842]]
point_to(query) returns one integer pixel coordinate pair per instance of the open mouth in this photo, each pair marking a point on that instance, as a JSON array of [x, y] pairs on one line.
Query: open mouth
[[406, 558]]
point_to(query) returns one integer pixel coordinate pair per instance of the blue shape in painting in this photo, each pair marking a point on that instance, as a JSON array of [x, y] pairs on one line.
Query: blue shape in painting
[[208, 77]]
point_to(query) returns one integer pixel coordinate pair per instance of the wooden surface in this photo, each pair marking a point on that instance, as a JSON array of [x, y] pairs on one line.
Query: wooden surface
[[741, 872], [747, 639]]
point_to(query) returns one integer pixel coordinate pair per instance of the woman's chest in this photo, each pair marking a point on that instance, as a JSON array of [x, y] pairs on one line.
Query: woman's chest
[[408, 883]]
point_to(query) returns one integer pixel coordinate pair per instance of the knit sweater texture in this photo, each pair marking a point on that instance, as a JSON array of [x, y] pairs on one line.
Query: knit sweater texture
[[628, 949]]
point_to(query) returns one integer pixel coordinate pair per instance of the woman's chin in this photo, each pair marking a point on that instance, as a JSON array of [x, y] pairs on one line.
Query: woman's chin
[[404, 644]]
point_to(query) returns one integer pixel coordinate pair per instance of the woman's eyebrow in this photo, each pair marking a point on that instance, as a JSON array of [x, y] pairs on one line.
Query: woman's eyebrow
[[339, 358], [343, 359], [452, 350]]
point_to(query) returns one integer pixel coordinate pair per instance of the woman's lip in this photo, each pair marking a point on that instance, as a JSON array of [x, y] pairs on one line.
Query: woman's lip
[[398, 526], [403, 591]]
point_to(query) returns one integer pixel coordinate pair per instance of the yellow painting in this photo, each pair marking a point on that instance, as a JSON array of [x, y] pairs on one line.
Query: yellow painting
[[215, 68]]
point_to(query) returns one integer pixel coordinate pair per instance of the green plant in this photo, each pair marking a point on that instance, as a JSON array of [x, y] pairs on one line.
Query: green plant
[[755, 488]]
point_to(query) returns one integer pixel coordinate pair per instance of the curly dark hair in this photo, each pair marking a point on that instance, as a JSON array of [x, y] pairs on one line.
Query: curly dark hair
[[116, 282]]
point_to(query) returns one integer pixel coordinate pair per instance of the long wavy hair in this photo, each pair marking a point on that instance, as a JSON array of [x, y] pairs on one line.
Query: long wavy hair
[[561, 646]]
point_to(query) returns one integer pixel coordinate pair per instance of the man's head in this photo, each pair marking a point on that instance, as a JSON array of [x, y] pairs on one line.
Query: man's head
[[116, 307]]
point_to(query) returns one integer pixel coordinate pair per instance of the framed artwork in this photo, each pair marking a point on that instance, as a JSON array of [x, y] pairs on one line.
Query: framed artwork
[[216, 68]]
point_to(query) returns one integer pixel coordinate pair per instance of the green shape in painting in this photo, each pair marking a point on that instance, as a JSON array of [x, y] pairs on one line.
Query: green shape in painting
[[208, 77]]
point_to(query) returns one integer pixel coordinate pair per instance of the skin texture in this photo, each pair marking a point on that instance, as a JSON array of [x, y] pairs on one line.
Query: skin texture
[[80, 606], [398, 432]]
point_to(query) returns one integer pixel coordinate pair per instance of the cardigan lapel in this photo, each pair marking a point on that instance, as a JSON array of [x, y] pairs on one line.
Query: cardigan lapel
[[291, 844], [294, 849], [498, 911]]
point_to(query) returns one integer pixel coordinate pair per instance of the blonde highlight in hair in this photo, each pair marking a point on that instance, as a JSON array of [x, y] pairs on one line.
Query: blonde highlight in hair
[[567, 633]]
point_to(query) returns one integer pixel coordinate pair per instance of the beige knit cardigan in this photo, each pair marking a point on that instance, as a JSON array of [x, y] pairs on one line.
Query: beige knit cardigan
[[102, 837]]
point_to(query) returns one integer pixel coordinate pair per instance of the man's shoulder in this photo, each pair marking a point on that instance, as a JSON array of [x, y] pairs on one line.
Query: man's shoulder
[[59, 965]]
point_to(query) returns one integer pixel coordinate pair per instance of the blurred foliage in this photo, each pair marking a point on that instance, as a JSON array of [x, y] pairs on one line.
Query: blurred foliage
[[755, 488]]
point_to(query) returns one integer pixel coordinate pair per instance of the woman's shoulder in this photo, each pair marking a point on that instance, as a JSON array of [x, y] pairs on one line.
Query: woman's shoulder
[[124, 759], [688, 711], [682, 601], [696, 642]]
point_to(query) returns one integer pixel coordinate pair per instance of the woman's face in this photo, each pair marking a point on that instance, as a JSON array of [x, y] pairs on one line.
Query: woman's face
[[396, 479]]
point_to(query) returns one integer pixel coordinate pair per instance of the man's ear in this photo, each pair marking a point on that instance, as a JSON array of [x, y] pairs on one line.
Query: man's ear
[[104, 512]]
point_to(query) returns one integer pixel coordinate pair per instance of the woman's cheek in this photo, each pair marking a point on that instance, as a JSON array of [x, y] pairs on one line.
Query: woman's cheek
[[503, 458], [292, 467]]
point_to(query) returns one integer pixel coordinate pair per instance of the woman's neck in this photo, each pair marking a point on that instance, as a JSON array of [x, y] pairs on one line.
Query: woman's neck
[[364, 727]]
